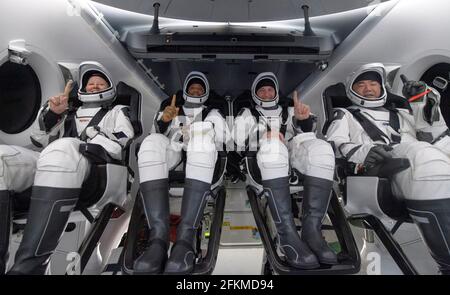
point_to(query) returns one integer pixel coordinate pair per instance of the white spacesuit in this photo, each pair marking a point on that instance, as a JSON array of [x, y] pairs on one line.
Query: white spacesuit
[[183, 126], [279, 138], [58, 172], [370, 133]]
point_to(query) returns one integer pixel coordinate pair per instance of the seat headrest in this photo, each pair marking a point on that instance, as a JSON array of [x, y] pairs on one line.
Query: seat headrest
[[129, 96], [218, 102], [336, 97], [243, 100]]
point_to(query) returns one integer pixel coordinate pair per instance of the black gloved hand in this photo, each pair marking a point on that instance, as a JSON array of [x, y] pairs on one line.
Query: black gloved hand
[[388, 168], [412, 88], [377, 155], [431, 109]]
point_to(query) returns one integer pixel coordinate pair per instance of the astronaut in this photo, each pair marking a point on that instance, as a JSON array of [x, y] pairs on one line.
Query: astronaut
[[370, 133], [183, 128], [58, 172], [283, 136]]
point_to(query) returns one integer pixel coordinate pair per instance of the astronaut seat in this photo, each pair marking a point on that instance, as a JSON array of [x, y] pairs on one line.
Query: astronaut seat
[[104, 195], [368, 200], [209, 231], [348, 256]]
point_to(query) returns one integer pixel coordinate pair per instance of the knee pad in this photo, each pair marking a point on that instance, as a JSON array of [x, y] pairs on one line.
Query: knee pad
[[201, 149], [201, 152], [312, 157], [428, 177], [5, 153], [152, 158], [60, 156], [153, 150], [428, 162], [273, 159], [62, 165], [197, 158], [444, 145], [17, 168]]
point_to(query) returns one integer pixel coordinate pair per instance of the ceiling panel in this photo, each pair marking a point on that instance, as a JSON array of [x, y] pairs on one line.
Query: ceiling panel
[[239, 10]]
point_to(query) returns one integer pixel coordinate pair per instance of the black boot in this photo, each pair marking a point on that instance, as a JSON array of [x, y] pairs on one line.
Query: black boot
[[316, 196], [155, 197], [182, 256], [297, 253], [49, 211], [5, 226], [432, 217]]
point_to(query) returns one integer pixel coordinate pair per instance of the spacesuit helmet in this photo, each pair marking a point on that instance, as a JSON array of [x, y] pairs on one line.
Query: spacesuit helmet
[[265, 79], [87, 70], [195, 77], [373, 72]]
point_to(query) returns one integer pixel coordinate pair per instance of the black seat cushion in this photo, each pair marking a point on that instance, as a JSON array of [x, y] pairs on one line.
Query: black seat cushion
[[93, 188], [391, 205]]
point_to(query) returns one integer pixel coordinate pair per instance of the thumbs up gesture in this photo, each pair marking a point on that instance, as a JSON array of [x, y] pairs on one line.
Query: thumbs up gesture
[[170, 111], [301, 111]]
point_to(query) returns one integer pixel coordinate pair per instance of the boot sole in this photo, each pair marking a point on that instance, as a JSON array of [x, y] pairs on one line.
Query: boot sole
[[329, 262], [156, 272], [307, 267], [145, 273], [181, 273]]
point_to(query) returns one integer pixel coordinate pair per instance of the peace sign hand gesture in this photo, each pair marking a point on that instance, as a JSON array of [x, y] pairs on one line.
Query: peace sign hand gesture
[[59, 104]]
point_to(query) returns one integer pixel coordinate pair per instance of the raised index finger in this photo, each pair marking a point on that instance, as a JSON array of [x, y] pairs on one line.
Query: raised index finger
[[295, 98], [174, 99], [68, 88]]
